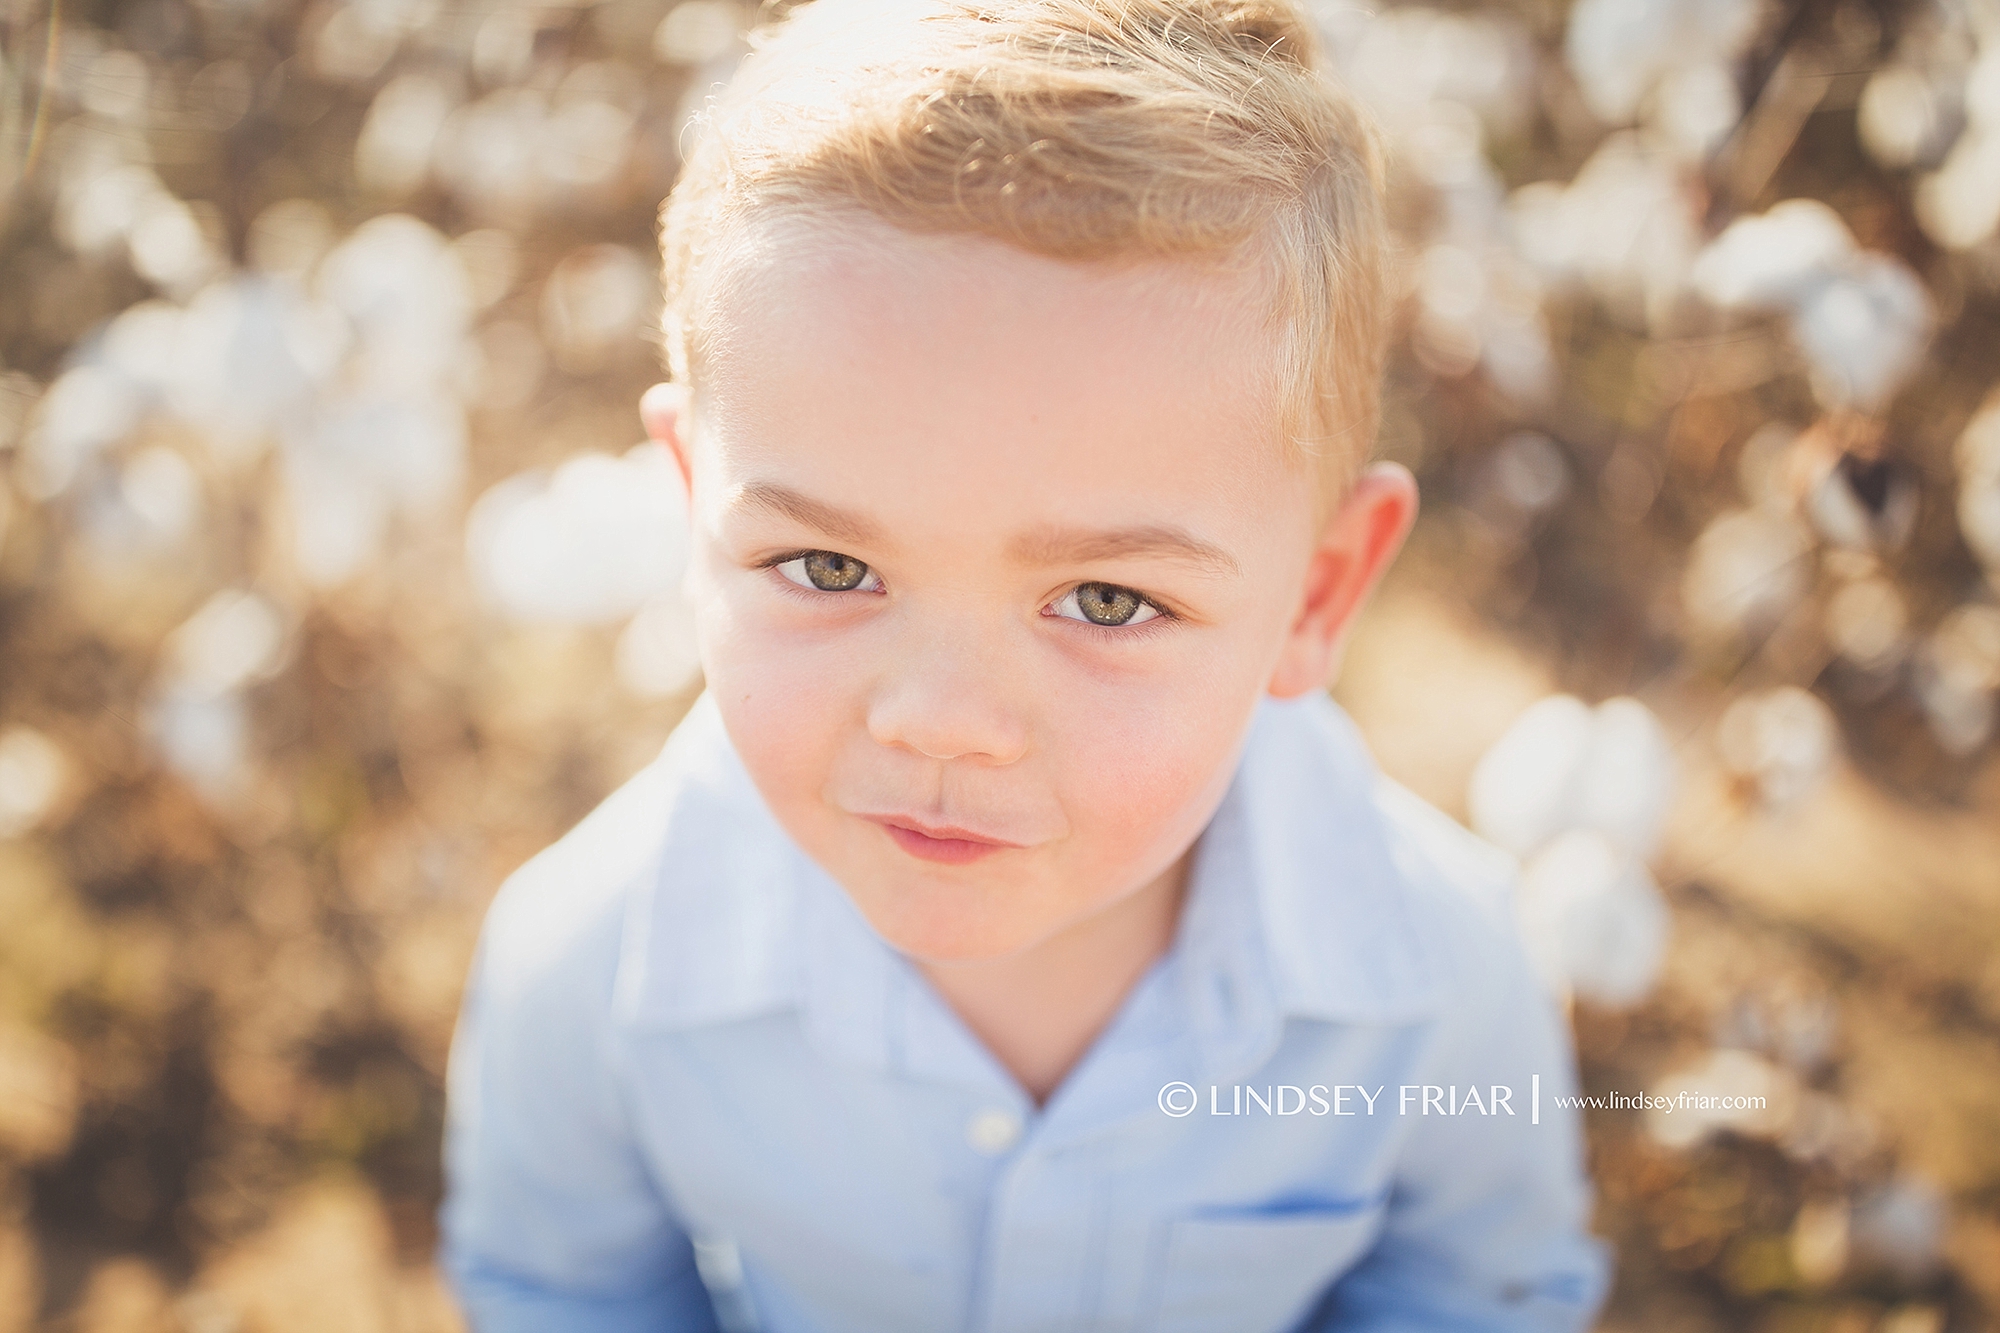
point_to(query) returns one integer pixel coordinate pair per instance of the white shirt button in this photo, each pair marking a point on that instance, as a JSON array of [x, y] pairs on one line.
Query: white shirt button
[[993, 1131]]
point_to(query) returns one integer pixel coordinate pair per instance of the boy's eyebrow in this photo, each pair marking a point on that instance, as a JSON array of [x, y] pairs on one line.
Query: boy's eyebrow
[[788, 503], [1041, 546], [1078, 546]]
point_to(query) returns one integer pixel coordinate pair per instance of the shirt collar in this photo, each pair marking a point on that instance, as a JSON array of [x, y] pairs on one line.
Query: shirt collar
[[1295, 907]]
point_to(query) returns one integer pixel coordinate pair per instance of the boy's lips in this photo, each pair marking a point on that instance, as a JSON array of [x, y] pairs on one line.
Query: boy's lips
[[939, 842]]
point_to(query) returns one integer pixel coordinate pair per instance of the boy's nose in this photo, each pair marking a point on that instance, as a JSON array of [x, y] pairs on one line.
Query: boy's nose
[[949, 694]]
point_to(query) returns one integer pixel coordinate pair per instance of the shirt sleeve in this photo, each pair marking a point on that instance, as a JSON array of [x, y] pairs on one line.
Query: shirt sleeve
[[1487, 1227], [552, 1222]]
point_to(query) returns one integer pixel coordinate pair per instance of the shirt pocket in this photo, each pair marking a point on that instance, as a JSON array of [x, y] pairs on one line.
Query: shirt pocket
[[1256, 1272]]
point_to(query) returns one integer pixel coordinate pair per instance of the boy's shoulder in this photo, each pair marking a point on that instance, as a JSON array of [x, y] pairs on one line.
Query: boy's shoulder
[[1408, 896], [567, 927]]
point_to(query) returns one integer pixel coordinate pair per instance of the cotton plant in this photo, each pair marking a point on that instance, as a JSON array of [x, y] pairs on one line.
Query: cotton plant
[[34, 770], [1958, 205], [1582, 794], [1622, 231], [600, 540], [1861, 319], [357, 378], [1668, 60], [1726, 1089], [1747, 568], [512, 151], [199, 717], [1780, 743], [110, 202], [1957, 677], [1442, 85]]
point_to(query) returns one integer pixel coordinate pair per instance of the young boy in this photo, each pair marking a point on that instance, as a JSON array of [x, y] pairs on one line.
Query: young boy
[[1015, 936]]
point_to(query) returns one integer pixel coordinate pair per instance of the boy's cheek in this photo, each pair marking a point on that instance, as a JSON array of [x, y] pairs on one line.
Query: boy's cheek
[[1125, 756]]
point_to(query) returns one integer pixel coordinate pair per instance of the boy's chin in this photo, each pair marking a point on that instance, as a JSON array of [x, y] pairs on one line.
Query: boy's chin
[[926, 934]]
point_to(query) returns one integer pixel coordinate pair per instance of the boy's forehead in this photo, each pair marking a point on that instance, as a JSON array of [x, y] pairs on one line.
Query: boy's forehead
[[815, 315]]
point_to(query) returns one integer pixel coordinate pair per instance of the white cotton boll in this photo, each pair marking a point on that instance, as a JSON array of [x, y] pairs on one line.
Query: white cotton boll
[[1522, 791], [1782, 741], [339, 516], [584, 144], [1697, 106], [1615, 50], [1864, 329], [1624, 227], [1900, 1225], [1626, 784], [695, 32], [1866, 621], [33, 770], [1530, 472], [657, 653], [236, 639], [169, 248], [205, 738], [99, 203], [153, 506], [1564, 765], [1958, 673], [1728, 1090], [503, 50], [1958, 205], [1514, 333], [1592, 919], [1541, 223], [359, 459], [409, 446], [489, 152], [407, 295], [1748, 567], [1771, 260], [87, 409], [1619, 49], [590, 544], [252, 353], [354, 43], [1404, 63], [1978, 457], [1901, 119], [1451, 289], [1516, 355], [392, 154], [142, 342], [595, 305], [158, 485]]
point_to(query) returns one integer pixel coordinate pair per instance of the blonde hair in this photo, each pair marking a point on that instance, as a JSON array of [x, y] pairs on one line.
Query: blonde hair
[[1074, 129]]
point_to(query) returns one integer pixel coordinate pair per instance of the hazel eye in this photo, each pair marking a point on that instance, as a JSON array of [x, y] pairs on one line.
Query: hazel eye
[[830, 571], [1106, 604]]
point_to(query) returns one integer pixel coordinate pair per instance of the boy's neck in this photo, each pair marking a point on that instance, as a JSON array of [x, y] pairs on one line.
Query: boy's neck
[[1039, 1010]]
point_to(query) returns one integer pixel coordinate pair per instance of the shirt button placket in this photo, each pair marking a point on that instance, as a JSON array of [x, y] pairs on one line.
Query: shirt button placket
[[1037, 1248]]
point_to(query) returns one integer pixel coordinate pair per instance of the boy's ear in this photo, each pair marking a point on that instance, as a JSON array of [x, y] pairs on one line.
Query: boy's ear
[[1353, 551], [664, 409]]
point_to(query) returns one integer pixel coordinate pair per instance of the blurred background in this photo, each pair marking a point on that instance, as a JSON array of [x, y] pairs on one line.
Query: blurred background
[[332, 587]]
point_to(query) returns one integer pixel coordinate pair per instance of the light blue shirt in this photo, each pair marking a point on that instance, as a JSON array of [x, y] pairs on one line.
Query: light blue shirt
[[692, 1089]]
